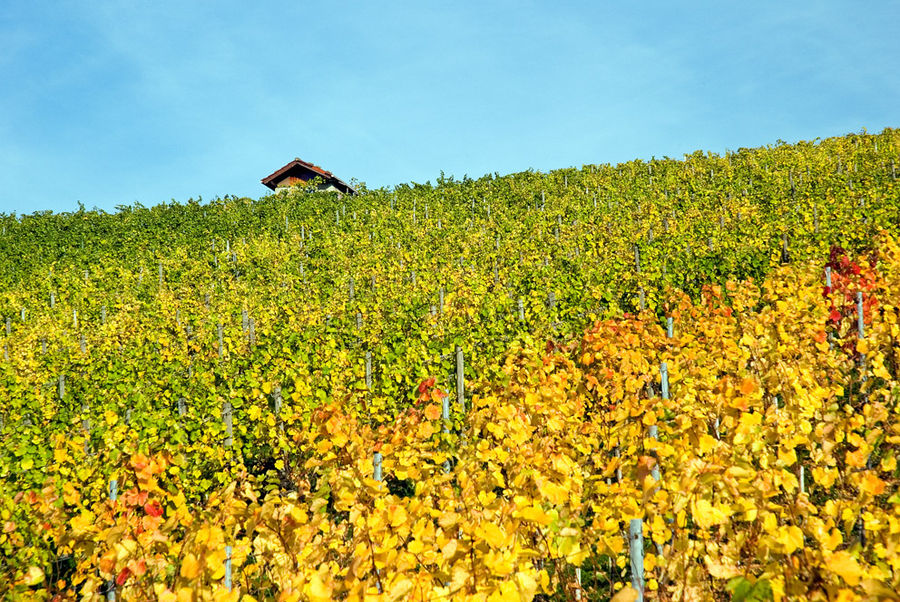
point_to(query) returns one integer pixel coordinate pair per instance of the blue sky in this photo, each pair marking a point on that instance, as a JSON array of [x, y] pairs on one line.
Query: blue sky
[[113, 102]]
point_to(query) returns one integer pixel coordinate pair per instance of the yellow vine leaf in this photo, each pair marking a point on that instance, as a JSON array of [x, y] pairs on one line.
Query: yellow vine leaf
[[871, 484], [492, 534], [706, 443], [400, 588], [215, 562], [449, 549], [747, 386], [33, 576], [706, 515], [527, 585], [318, 590], [186, 594], [535, 514], [627, 594], [190, 567], [720, 570], [791, 538], [166, 595], [425, 430], [433, 411], [844, 565], [298, 515]]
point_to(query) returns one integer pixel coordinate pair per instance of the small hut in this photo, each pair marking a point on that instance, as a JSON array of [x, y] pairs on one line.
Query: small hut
[[299, 171]]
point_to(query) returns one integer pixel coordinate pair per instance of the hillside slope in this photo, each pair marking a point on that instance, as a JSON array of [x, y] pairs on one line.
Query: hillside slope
[[204, 356]]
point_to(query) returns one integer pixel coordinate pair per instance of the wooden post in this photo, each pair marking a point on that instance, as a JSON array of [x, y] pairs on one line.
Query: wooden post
[[521, 305], [369, 370], [221, 341]]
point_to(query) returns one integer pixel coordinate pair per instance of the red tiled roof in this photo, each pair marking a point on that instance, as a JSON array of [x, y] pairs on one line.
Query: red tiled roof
[[270, 180]]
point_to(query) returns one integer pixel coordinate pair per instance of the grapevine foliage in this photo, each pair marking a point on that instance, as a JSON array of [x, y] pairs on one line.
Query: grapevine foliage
[[325, 330]]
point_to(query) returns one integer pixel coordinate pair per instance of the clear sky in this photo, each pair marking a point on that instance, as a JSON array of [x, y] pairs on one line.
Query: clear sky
[[114, 102]]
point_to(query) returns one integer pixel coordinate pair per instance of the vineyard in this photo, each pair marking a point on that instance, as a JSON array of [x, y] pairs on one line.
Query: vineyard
[[663, 380]]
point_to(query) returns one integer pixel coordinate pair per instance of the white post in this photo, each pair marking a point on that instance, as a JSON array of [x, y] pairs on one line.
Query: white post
[[111, 584], [460, 379], [228, 567], [636, 549]]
